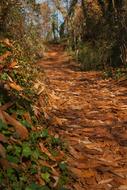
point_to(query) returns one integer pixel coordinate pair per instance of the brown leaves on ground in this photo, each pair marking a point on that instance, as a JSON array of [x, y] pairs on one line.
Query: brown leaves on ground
[[15, 86], [46, 151], [2, 151], [90, 114], [13, 64], [4, 56], [21, 131]]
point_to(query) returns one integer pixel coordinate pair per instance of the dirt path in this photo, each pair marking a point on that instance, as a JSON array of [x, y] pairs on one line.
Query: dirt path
[[92, 116]]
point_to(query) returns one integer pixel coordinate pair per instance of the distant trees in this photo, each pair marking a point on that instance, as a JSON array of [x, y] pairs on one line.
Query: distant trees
[[100, 24]]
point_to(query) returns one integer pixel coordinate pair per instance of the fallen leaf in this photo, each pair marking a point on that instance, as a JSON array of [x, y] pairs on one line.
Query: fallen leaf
[[13, 64], [4, 56], [6, 106], [78, 187], [75, 153], [3, 138], [4, 163], [57, 121], [27, 117], [2, 151], [7, 42], [2, 117], [105, 181], [20, 129], [122, 187], [46, 151], [60, 156], [15, 86], [82, 173]]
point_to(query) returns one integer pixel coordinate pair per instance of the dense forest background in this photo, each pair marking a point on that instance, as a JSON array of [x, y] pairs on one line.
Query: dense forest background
[[96, 29]]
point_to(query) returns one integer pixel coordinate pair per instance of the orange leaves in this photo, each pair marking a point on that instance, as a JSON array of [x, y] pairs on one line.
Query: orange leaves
[[82, 173], [4, 56], [12, 64], [15, 86]]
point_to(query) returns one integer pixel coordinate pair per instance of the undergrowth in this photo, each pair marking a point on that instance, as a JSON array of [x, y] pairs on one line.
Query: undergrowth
[[31, 156]]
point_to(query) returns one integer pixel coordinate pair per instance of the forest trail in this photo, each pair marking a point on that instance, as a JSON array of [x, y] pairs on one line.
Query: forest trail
[[92, 117]]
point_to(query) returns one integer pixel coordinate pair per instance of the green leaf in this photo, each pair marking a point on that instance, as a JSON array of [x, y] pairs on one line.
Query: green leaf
[[45, 169], [63, 166], [46, 177], [20, 112], [34, 186], [33, 170], [17, 150], [26, 124], [26, 152], [1, 177], [45, 188], [55, 141], [35, 154], [4, 76], [44, 133], [13, 159], [10, 171]]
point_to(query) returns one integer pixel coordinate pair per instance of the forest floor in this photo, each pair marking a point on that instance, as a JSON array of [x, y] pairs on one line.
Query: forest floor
[[91, 114]]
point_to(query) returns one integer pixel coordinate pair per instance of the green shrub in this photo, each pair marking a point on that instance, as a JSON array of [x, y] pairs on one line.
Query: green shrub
[[95, 57]]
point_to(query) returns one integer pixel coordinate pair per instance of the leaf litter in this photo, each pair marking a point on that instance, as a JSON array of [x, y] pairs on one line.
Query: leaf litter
[[89, 114]]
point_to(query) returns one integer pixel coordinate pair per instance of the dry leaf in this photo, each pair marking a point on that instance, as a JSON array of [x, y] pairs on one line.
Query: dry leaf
[[2, 117], [7, 42], [2, 151], [6, 106], [60, 157], [122, 187], [4, 56], [105, 181], [3, 138], [15, 86], [78, 187], [46, 151], [20, 129], [82, 173], [13, 64], [4, 163], [27, 117], [57, 121]]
